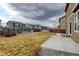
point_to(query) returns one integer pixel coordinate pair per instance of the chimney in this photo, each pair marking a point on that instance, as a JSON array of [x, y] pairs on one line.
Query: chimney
[[0, 22]]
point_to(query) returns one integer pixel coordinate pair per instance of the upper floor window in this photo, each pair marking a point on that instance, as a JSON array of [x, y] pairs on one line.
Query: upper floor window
[[77, 21]]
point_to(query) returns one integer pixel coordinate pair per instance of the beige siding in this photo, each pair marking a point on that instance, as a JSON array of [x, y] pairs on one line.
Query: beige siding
[[69, 10], [74, 35], [72, 23], [68, 14], [63, 23]]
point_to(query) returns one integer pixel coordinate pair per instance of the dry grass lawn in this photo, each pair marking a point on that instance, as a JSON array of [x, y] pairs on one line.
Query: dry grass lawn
[[22, 45]]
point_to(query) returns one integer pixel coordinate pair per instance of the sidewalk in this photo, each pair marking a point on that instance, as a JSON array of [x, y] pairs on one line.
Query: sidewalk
[[64, 45]]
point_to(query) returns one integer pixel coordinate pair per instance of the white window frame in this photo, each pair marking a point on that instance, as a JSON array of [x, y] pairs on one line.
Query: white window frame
[[76, 21]]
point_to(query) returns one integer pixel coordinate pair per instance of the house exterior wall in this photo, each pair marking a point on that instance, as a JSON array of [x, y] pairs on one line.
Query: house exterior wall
[[69, 9], [75, 35], [15, 25], [62, 22], [70, 16], [0, 28]]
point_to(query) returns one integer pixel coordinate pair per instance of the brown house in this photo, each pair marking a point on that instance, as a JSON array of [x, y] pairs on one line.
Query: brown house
[[62, 22], [72, 19]]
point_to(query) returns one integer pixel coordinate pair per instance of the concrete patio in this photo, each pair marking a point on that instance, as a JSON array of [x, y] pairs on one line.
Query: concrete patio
[[58, 45]]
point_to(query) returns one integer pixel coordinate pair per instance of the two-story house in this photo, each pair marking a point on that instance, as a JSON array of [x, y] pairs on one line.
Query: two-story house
[[17, 26], [72, 20]]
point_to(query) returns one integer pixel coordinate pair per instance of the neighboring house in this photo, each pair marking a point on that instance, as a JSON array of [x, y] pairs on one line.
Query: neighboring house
[[32, 27], [14, 25], [62, 22], [1, 28], [29, 27], [44, 28], [36, 28], [72, 19]]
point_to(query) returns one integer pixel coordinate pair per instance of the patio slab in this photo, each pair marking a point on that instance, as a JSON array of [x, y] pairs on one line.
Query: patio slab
[[59, 43]]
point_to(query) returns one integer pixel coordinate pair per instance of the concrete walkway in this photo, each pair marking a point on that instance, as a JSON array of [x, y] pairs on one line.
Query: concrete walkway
[[60, 46]]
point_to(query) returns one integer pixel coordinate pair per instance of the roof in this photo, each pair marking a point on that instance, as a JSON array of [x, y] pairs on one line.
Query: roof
[[14, 22], [67, 4], [62, 17], [76, 7]]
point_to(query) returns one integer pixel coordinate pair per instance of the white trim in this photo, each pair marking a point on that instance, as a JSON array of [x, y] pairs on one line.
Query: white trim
[[74, 7], [68, 22]]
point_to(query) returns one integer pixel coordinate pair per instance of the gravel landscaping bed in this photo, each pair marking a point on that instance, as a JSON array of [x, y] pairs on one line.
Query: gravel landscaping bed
[[53, 52]]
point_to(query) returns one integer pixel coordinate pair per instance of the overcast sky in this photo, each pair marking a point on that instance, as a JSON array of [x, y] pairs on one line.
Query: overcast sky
[[34, 13]]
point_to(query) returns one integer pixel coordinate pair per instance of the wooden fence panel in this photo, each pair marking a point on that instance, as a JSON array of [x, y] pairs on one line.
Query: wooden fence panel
[[57, 30]]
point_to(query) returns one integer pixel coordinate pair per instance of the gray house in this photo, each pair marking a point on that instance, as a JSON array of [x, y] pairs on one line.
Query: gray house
[[1, 28], [29, 27], [20, 27], [40, 28], [17, 26]]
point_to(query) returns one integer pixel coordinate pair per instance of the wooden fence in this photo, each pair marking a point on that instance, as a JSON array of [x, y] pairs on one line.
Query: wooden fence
[[57, 30]]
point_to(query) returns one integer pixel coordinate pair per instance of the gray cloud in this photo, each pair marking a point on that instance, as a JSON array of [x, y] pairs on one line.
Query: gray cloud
[[41, 11]]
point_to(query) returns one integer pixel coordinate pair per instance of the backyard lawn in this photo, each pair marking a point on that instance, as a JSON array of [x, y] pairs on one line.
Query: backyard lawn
[[22, 45]]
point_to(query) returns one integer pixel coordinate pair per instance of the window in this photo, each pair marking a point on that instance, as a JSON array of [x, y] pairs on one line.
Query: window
[[16, 24], [77, 21]]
